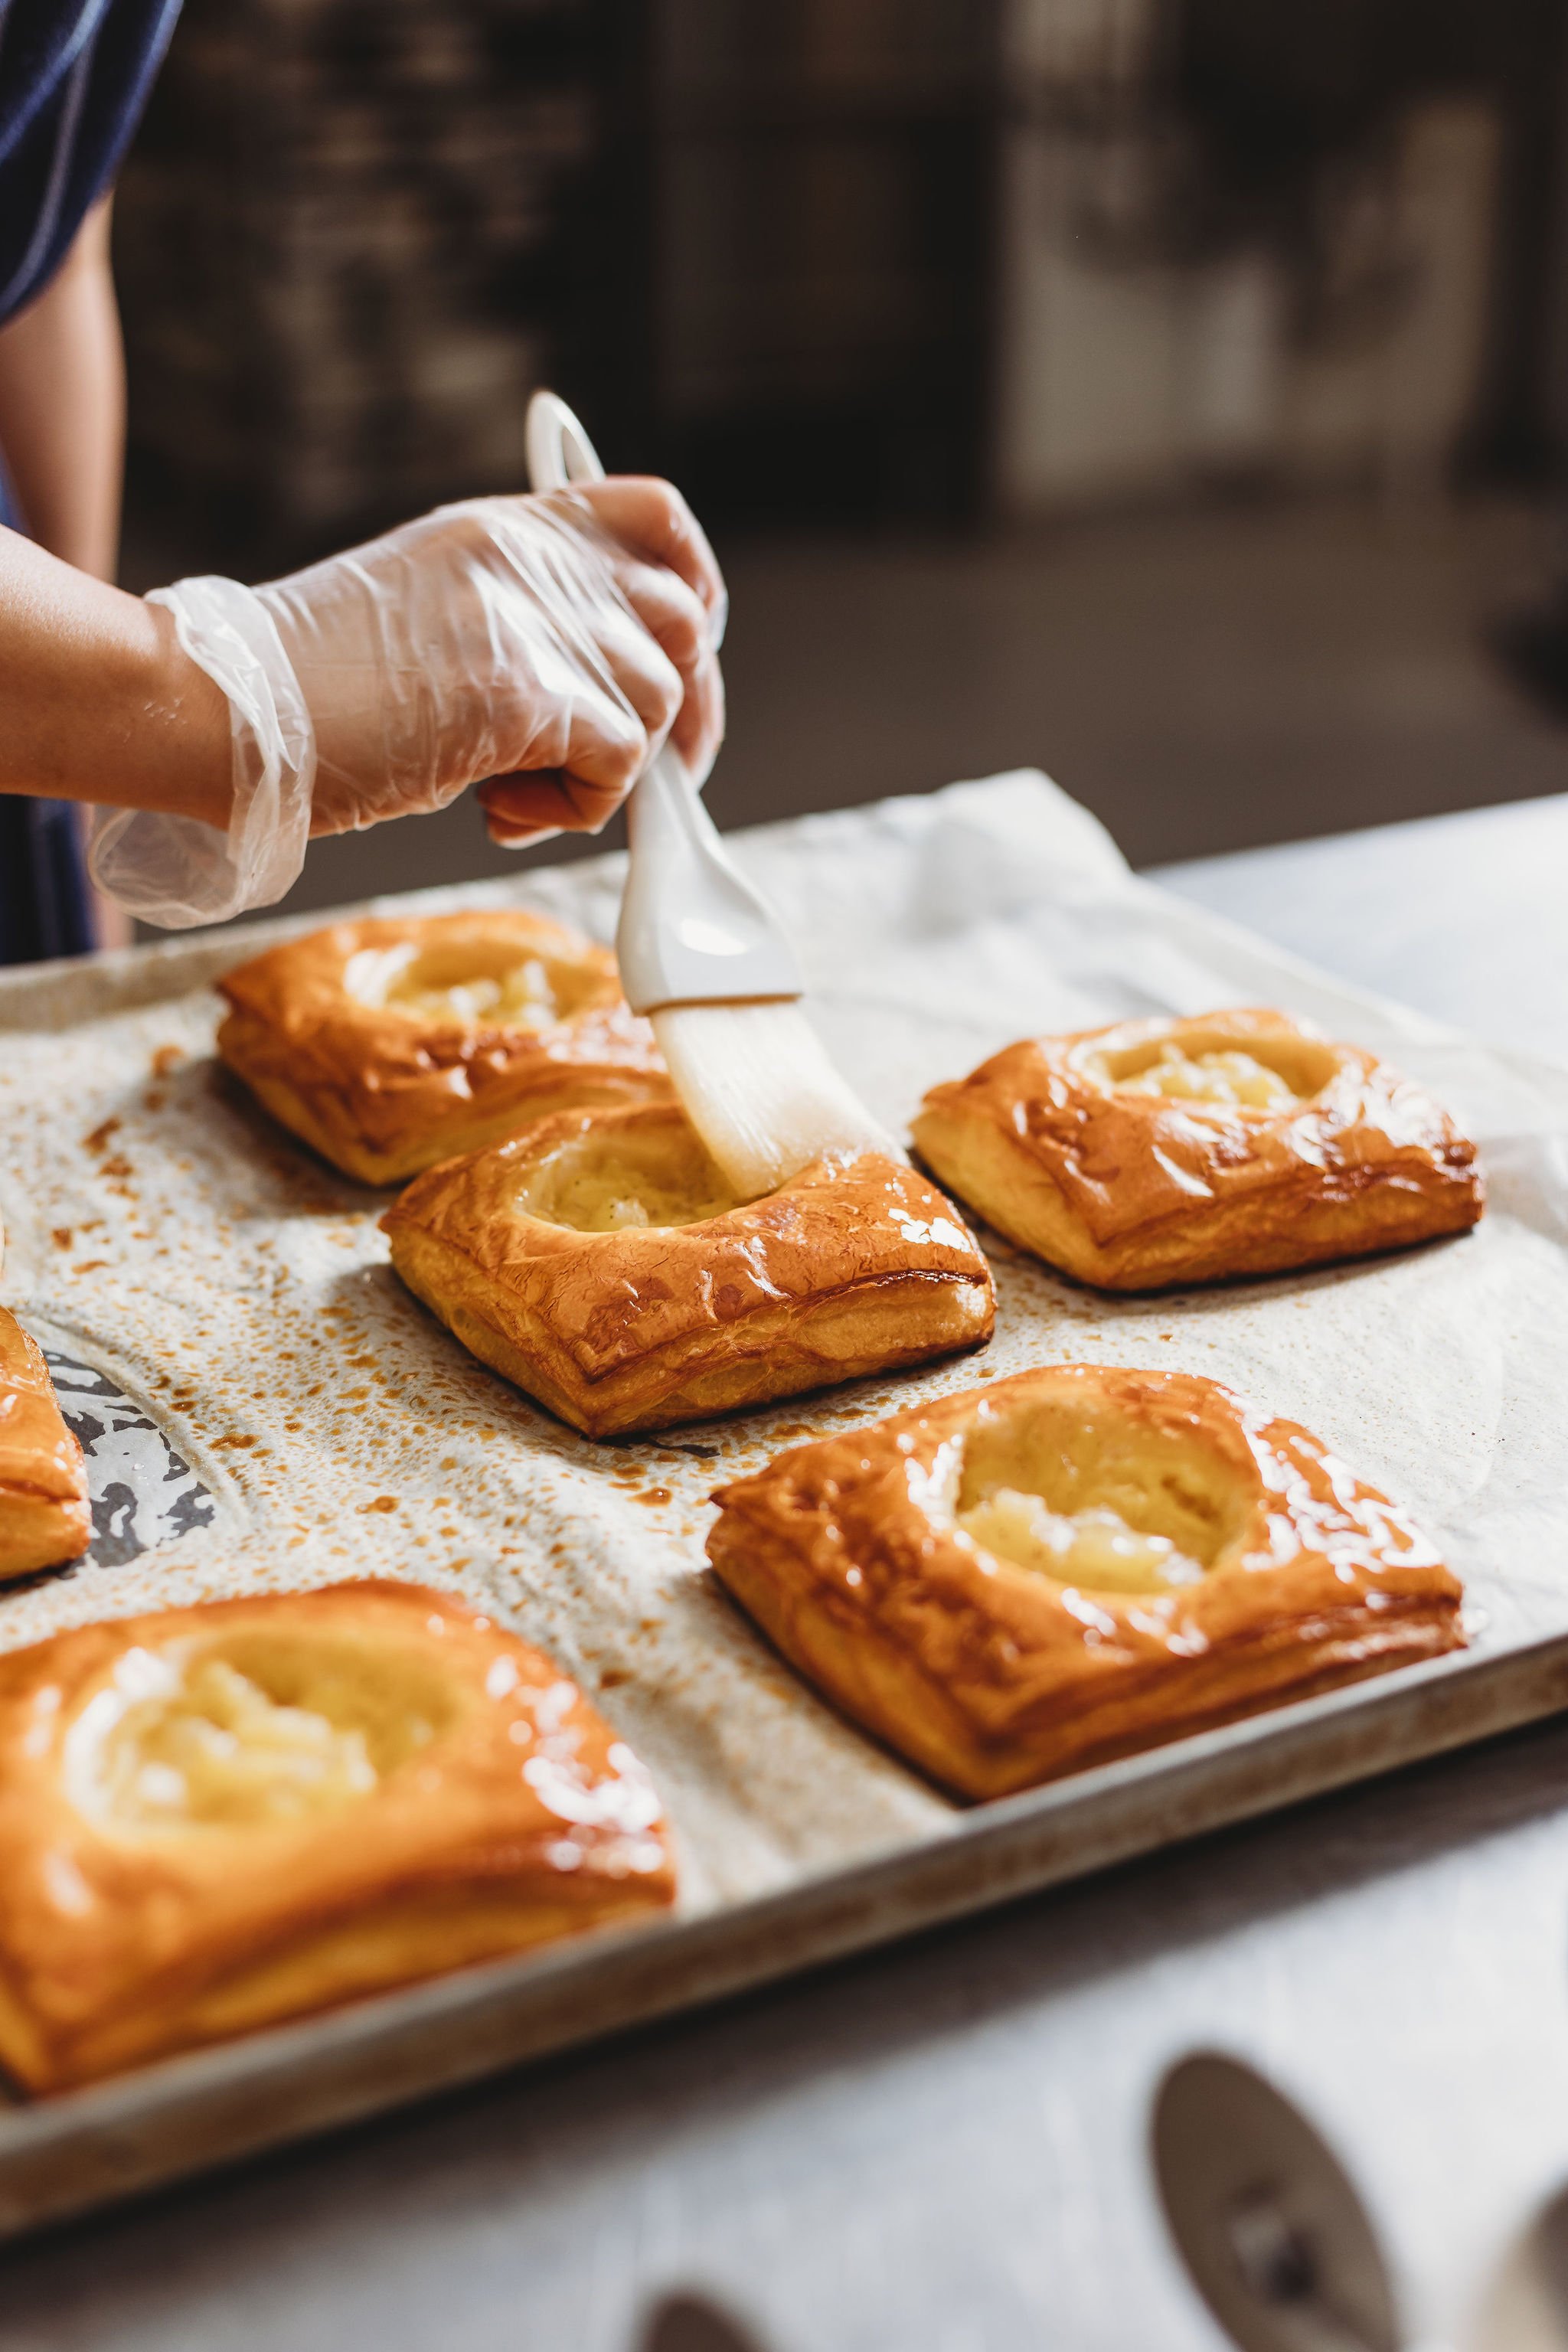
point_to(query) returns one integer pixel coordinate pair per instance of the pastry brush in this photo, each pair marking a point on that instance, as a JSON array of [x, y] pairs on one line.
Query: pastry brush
[[703, 955]]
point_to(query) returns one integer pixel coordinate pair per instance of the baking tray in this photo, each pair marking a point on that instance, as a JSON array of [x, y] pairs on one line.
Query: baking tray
[[276, 1412]]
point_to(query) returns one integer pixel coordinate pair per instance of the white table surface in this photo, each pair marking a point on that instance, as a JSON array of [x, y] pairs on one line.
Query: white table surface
[[941, 2147]]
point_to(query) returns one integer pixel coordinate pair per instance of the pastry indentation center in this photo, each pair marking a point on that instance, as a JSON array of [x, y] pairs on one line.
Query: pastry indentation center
[[1095, 1547], [1258, 1069], [522, 996], [605, 1184], [251, 1731], [1230, 1076], [1107, 1501], [470, 982]]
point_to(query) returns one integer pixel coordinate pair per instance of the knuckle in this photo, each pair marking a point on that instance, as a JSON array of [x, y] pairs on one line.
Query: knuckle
[[685, 633], [670, 516], [623, 758]]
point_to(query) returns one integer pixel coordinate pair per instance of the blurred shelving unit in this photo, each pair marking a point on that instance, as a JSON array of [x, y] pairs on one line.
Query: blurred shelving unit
[[840, 262], [346, 244], [754, 243], [1249, 244], [821, 183]]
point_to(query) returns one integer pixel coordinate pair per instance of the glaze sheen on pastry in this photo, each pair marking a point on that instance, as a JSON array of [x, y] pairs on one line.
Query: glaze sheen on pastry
[[217, 1817], [45, 1518], [1070, 1565], [1168, 1151], [600, 1262], [394, 1042]]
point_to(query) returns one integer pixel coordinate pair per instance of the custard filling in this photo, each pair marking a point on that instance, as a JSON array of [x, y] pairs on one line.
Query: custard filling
[[608, 1201], [598, 1186], [1227, 1076], [522, 997], [466, 983], [185, 1741], [1100, 1499], [1095, 1547]]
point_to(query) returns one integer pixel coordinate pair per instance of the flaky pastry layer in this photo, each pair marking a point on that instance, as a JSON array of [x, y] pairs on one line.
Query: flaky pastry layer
[[44, 1517], [1135, 1190], [853, 1557], [849, 1269], [384, 1077], [217, 1817]]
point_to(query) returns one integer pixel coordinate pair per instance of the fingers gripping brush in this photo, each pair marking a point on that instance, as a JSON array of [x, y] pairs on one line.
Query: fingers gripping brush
[[701, 952]]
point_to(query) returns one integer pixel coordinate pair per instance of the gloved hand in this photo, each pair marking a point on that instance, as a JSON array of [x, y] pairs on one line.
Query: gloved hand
[[550, 642]]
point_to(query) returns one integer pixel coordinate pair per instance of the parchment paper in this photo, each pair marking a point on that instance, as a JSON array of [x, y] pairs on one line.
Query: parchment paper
[[234, 1294]]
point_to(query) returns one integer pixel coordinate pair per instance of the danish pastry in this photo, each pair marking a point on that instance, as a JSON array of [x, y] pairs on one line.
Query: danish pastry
[[391, 1043], [600, 1262], [45, 1519], [1074, 1563], [217, 1817], [1175, 1151]]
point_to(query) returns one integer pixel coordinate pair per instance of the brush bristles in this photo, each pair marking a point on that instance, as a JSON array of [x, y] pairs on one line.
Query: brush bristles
[[760, 1090]]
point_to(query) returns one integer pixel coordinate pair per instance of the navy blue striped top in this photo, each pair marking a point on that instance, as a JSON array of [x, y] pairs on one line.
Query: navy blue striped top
[[74, 77]]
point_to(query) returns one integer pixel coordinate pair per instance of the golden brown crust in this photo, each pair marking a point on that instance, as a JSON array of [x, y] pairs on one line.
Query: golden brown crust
[[1136, 1193], [383, 1091], [991, 1676], [846, 1270], [45, 1519], [521, 1818]]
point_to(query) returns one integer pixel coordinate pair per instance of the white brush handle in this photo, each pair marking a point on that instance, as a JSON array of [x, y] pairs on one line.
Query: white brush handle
[[558, 451], [693, 929]]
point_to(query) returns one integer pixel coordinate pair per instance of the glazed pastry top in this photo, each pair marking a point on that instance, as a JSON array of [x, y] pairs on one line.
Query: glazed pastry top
[[39, 1457], [1084, 1518], [196, 1778], [402, 1015], [1146, 1119], [637, 1241]]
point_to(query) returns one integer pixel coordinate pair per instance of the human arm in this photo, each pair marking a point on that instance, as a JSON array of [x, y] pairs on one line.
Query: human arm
[[62, 427], [100, 705], [62, 406], [551, 642]]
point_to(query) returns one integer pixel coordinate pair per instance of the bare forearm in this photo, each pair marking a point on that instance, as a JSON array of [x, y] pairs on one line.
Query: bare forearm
[[98, 702], [62, 406]]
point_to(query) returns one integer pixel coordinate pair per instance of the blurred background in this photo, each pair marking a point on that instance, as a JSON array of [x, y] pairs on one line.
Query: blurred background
[[1173, 394]]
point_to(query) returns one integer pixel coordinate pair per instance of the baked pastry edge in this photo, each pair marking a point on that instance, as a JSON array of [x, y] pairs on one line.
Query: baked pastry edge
[[877, 1684], [784, 1350], [1001, 1181], [992, 1676], [320, 1119], [45, 1517]]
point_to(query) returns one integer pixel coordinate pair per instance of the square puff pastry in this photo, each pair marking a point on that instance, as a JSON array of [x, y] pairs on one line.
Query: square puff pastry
[[391, 1043], [218, 1817], [1035, 1576], [1169, 1151], [45, 1518], [600, 1263]]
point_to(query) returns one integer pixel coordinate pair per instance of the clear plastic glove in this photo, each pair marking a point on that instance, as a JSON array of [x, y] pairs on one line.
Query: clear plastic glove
[[550, 643]]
